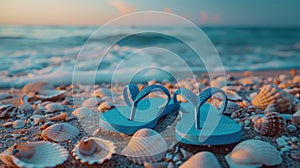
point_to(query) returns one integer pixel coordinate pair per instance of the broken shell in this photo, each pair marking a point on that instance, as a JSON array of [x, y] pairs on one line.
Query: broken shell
[[105, 106], [146, 145], [253, 153], [54, 107], [271, 125], [102, 92], [92, 102], [18, 124], [201, 160], [93, 150], [34, 154], [61, 116], [83, 112], [60, 132], [272, 94], [9, 110]]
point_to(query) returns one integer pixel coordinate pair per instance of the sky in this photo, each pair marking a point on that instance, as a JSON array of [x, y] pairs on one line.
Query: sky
[[202, 12]]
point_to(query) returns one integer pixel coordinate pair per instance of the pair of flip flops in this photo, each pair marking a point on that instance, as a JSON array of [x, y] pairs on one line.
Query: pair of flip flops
[[200, 124]]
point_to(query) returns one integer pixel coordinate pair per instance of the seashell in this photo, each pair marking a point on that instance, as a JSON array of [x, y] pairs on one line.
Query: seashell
[[18, 124], [61, 116], [271, 124], [35, 86], [93, 150], [296, 118], [9, 110], [34, 154], [54, 107], [253, 153], [83, 112], [49, 95], [271, 94], [92, 102], [102, 92], [60, 132], [201, 160], [105, 106], [232, 107], [46, 125], [146, 145]]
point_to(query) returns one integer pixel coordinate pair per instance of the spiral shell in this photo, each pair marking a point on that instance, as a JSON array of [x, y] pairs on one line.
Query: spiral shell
[[201, 160], [253, 153], [93, 150], [146, 145], [271, 124], [9, 110], [60, 132], [272, 94], [34, 154]]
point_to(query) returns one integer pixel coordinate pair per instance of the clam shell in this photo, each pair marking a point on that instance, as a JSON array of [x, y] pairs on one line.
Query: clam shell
[[60, 132], [34, 154], [253, 153], [201, 160], [83, 112], [271, 125], [93, 150], [146, 145], [105, 106], [269, 94], [9, 110], [54, 107], [102, 92]]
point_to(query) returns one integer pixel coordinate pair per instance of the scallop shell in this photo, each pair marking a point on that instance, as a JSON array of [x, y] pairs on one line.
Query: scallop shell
[[9, 110], [93, 150], [83, 112], [105, 106], [146, 145], [54, 107], [34, 154], [271, 124], [60, 132], [271, 94], [253, 153], [201, 160], [102, 92]]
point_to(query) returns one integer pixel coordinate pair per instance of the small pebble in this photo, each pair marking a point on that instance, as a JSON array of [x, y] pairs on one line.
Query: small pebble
[[291, 128], [18, 124], [281, 142]]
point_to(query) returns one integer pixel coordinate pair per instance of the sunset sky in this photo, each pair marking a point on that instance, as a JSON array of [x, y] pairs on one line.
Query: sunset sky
[[203, 12]]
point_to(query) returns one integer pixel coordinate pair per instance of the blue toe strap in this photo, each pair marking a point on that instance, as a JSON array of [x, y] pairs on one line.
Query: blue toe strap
[[199, 100], [143, 93], [131, 90]]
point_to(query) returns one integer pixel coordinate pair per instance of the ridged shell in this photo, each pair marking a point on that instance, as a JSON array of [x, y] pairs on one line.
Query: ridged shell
[[146, 145], [202, 160], [102, 92], [83, 112], [9, 110], [60, 132], [253, 153], [93, 150], [271, 125], [272, 94], [34, 154], [54, 107]]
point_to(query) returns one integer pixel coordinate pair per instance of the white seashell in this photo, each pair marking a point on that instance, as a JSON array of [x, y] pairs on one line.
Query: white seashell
[[9, 110], [93, 150], [146, 145], [60, 132], [83, 112], [92, 102], [253, 153], [271, 125], [54, 107], [105, 106], [102, 92], [18, 124], [34, 154], [202, 160]]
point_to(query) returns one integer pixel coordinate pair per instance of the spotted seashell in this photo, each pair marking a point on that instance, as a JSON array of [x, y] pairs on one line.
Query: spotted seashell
[[232, 107], [34, 154], [60, 132], [83, 112], [102, 92], [253, 153], [105, 106], [9, 110], [92, 102], [93, 150], [272, 94], [54, 107], [146, 145], [202, 160], [271, 124]]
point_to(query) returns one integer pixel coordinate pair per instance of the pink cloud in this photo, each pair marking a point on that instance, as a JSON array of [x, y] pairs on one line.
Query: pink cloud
[[204, 16], [215, 18], [122, 7]]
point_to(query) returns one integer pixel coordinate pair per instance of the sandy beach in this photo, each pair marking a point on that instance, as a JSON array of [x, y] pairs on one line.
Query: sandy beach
[[166, 126]]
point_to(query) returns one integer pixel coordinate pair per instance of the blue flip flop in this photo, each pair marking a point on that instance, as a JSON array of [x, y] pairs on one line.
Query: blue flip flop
[[140, 113], [203, 124]]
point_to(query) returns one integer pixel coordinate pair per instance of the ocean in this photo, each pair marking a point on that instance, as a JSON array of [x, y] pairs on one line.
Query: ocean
[[54, 53]]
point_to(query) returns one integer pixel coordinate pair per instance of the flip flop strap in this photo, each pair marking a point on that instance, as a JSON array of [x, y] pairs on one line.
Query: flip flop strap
[[131, 90], [198, 101], [146, 91]]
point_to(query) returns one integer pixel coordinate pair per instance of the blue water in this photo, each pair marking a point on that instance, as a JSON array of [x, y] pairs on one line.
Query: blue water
[[38, 50]]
